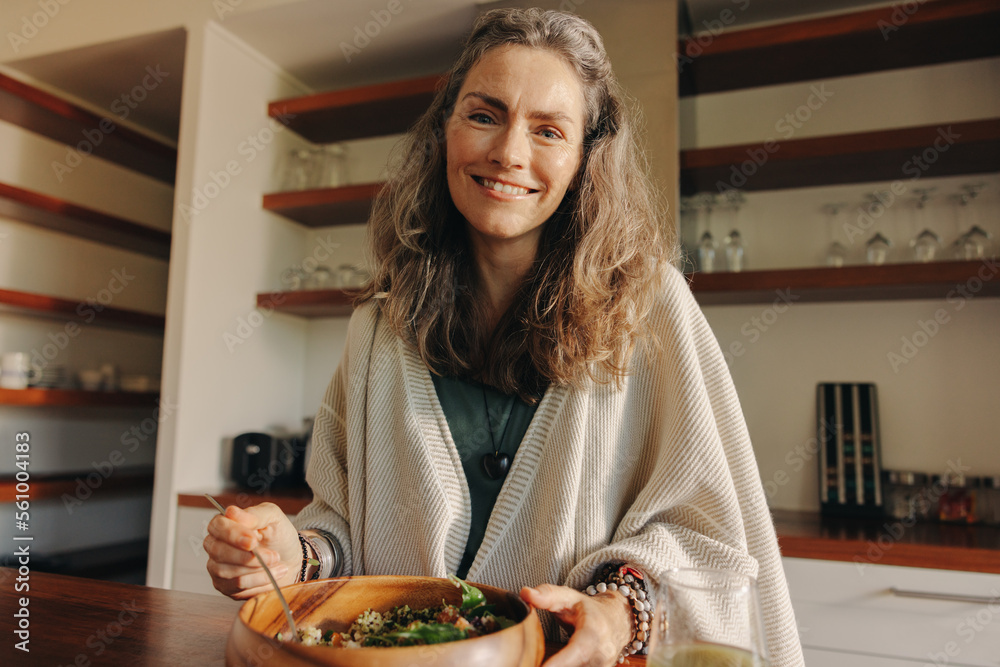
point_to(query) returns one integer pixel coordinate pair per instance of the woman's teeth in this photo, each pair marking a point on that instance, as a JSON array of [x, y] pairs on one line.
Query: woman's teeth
[[503, 187]]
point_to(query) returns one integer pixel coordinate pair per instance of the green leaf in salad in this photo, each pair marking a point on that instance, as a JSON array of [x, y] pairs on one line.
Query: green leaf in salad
[[429, 633], [472, 597]]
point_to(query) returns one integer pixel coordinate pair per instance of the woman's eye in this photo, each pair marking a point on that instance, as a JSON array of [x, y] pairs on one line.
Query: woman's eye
[[480, 118], [550, 134]]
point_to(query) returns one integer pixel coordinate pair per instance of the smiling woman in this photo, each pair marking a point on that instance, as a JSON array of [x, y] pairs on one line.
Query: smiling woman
[[529, 395]]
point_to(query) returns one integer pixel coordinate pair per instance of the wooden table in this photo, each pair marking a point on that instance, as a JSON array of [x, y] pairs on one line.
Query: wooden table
[[84, 622]]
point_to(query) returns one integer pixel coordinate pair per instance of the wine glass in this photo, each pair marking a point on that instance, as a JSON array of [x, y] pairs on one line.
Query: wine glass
[[732, 202], [975, 243], [707, 618], [878, 246], [926, 244], [689, 208], [706, 244], [836, 253]]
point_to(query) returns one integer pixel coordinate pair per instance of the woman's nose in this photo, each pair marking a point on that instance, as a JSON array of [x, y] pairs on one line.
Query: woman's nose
[[510, 148]]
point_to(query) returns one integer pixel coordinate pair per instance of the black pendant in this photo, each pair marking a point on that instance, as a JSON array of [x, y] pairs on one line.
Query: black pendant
[[496, 465]]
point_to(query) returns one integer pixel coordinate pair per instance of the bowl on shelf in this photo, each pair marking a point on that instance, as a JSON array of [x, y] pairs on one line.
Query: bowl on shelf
[[333, 604]]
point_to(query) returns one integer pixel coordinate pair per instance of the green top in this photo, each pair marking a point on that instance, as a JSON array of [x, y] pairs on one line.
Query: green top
[[464, 404]]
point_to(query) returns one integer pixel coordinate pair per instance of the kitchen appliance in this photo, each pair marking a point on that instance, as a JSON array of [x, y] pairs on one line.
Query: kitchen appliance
[[264, 461]]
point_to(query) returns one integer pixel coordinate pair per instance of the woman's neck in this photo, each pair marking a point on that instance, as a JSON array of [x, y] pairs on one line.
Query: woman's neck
[[502, 266]]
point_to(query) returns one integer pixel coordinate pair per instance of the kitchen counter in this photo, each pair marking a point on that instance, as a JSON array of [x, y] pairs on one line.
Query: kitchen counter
[[85, 622], [969, 548]]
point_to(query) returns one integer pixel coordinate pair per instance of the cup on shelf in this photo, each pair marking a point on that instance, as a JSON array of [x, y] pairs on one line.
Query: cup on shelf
[[877, 249], [988, 500], [91, 379], [109, 377], [16, 371], [138, 383], [334, 173], [319, 278]]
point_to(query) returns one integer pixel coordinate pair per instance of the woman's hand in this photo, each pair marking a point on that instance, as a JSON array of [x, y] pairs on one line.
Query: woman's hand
[[235, 571], [601, 624]]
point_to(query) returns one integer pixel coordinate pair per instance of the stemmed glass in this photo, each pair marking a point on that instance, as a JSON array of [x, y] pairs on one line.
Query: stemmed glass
[[974, 243], [925, 244], [689, 231], [707, 618], [836, 253], [877, 247], [732, 202], [706, 244]]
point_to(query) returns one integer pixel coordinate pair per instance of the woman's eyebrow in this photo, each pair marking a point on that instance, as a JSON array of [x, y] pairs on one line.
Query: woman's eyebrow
[[550, 116]]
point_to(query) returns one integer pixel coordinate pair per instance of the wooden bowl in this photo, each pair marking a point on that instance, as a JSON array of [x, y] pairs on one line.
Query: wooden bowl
[[333, 604]]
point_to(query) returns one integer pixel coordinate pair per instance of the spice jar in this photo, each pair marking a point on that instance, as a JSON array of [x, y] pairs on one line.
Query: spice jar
[[988, 500], [957, 503], [904, 493]]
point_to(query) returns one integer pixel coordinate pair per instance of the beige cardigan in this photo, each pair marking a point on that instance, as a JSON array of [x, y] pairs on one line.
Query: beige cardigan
[[659, 473]]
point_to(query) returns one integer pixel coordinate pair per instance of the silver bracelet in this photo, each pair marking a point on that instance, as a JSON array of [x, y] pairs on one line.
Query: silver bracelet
[[328, 552]]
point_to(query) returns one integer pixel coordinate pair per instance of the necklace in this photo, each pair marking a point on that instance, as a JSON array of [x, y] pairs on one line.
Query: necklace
[[495, 465]]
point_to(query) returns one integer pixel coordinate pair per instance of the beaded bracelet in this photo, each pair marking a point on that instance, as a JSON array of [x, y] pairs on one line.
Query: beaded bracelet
[[629, 582], [328, 551], [306, 560]]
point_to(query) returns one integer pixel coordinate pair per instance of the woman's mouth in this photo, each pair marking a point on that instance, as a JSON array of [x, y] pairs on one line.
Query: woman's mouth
[[505, 188]]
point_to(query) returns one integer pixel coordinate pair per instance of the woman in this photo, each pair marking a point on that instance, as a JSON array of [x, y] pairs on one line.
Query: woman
[[528, 393]]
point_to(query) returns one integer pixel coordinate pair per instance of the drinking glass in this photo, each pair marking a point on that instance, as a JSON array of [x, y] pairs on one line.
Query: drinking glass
[[707, 618], [926, 244], [706, 244], [975, 243], [836, 253], [734, 251], [297, 169], [334, 166], [731, 203], [876, 207], [689, 211]]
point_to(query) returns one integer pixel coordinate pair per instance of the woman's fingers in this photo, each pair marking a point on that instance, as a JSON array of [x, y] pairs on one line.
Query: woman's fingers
[[596, 624], [231, 538], [248, 584], [223, 553]]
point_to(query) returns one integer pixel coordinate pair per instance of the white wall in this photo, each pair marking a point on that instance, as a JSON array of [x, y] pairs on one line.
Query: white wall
[[231, 367]]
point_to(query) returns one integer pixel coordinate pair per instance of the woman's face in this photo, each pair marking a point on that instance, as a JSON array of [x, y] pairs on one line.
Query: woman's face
[[514, 143]]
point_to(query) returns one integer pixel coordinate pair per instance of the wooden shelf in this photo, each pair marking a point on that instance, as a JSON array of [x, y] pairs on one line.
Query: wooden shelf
[[291, 501], [79, 311], [69, 218], [355, 113], [840, 45], [850, 283], [325, 207], [70, 398], [311, 304], [53, 117], [934, 545], [863, 157], [46, 488]]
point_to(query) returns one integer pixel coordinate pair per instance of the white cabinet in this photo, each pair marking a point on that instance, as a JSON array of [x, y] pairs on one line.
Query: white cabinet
[[189, 556], [821, 658], [853, 612]]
